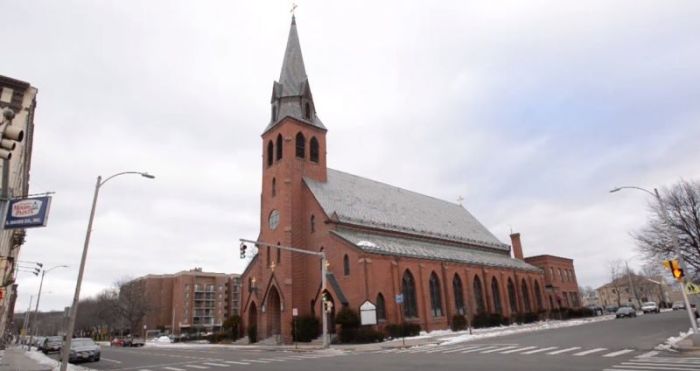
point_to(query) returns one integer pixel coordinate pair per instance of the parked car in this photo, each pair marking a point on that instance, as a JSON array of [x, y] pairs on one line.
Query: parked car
[[678, 305], [650, 307], [84, 350], [611, 308], [117, 342], [52, 344], [137, 342], [596, 309], [626, 312]]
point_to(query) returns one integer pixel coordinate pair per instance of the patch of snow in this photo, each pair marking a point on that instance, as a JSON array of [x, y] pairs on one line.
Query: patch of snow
[[55, 365], [367, 244], [669, 344]]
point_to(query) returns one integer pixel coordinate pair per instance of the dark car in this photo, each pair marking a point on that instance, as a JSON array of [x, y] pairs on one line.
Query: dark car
[[84, 350], [52, 344], [611, 309], [626, 312], [596, 309]]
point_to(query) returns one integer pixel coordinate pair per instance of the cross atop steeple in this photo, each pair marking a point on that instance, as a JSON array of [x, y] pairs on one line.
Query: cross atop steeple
[[291, 95]]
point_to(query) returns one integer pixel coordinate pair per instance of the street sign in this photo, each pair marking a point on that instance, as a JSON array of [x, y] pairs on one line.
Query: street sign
[[399, 299], [692, 288], [368, 313], [28, 212]]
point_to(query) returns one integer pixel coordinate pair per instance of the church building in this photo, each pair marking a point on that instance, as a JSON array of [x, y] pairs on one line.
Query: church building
[[381, 241]]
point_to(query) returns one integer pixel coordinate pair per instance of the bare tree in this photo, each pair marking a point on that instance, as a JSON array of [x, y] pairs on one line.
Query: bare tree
[[683, 204], [616, 270], [132, 304]]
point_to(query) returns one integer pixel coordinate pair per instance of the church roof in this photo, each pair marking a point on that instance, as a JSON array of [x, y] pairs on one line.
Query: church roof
[[387, 245], [361, 201], [293, 84]]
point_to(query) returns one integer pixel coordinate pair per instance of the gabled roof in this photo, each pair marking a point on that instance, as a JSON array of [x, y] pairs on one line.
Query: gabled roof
[[396, 246], [355, 200]]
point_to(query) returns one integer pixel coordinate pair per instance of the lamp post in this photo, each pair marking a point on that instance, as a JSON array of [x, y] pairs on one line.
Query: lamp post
[[38, 297], [676, 246], [65, 352]]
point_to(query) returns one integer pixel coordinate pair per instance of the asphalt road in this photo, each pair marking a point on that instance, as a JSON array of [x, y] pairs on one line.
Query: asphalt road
[[621, 344]]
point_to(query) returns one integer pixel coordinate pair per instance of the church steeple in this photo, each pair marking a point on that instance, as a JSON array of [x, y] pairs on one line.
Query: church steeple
[[291, 95]]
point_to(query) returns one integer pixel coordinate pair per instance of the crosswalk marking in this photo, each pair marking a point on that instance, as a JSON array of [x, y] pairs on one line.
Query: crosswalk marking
[[618, 353], [214, 364], [197, 366], [452, 350], [478, 349], [237, 363], [518, 350], [540, 350], [271, 359], [254, 361], [655, 364], [174, 369], [596, 350], [144, 369], [563, 351], [499, 349]]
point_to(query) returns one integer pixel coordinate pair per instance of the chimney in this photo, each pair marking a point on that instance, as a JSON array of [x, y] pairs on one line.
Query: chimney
[[517, 246]]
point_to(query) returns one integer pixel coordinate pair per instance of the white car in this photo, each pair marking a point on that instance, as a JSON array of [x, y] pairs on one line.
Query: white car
[[650, 307]]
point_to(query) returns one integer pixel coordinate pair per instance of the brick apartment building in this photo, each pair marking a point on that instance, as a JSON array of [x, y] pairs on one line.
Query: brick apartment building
[[380, 240], [559, 280], [190, 301]]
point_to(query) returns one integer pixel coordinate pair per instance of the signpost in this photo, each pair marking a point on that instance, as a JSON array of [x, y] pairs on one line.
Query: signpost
[[692, 288]]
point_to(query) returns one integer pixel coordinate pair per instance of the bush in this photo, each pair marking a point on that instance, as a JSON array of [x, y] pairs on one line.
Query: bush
[[364, 334], [347, 318], [305, 329], [569, 313], [482, 320], [395, 331], [253, 334], [459, 322], [232, 327]]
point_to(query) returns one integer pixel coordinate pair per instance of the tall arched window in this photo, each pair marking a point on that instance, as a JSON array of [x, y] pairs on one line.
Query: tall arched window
[[408, 289], [313, 149], [538, 296], [381, 308], [270, 153], [459, 294], [279, 255], [307, 111], [511, 297], [435, 297], [279, 147], [346, 265], [478, 295], [300, 145], [313, 223], [551, 273], [561, 275], [496, 294], [526, 297], [274, 187]]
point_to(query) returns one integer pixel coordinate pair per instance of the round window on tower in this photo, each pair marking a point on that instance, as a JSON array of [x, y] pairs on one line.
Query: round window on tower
[[274, 219]]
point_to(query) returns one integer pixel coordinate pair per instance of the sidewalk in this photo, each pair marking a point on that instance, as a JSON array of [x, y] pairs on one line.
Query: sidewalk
[[16, 359]]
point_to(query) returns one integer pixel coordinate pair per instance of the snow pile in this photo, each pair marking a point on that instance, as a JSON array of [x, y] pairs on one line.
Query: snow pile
[[367, 244], [55, 365], [672, 341]]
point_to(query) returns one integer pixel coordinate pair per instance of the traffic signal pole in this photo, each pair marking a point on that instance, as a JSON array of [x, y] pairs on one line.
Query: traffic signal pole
[[324, 267], [681, 261]]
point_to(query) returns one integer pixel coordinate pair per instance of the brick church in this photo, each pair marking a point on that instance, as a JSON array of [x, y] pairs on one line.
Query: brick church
[[380, 240]]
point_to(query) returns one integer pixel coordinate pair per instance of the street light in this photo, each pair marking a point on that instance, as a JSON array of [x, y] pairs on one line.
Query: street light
[[74, 308], [38, 297], [676, 246]]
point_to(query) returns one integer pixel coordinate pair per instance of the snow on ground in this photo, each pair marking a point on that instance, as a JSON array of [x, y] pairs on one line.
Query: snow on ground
[[672, 341], [43, 359], [447, 337]]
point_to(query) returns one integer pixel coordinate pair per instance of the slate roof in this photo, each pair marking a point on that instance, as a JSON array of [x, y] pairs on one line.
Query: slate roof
[[386, 245], [293, 83], [360, 201]]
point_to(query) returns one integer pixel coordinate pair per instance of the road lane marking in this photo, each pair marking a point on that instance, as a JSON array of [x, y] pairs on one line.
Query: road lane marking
[[174, 369], [586, 352], [563, 351], [657, 367], [621, 352], [254, 361], [272, 359], [539, 350], [237, 363], [499, 349], [664, 366], [648, 354], [197, 366], [214, 364], [518, 350], [478, 349], [144, 369], [110, 360], [452, 350]]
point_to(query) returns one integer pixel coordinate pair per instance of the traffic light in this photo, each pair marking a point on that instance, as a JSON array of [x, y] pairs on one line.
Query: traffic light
[[9, 135], [675, 268], [243, 248]]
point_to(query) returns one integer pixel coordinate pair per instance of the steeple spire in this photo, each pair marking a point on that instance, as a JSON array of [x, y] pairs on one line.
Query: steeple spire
[[291, 95]]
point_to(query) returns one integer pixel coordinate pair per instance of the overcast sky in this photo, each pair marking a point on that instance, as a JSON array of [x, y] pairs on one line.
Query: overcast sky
[[530, 111]]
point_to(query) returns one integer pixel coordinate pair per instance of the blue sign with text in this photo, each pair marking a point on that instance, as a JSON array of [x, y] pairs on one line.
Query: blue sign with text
[[399, 299], [28, 212]]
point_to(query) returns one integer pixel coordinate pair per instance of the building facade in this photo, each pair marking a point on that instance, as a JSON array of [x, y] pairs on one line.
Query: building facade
[[382, 242], [633, 290], [20, 97], [559, 279], [190, 301]]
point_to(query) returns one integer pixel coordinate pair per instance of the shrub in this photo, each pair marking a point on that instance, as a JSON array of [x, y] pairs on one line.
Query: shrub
[[400, 330], [347, 318], [253, 333], [488, 320], [305, 329], [459, 322]]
